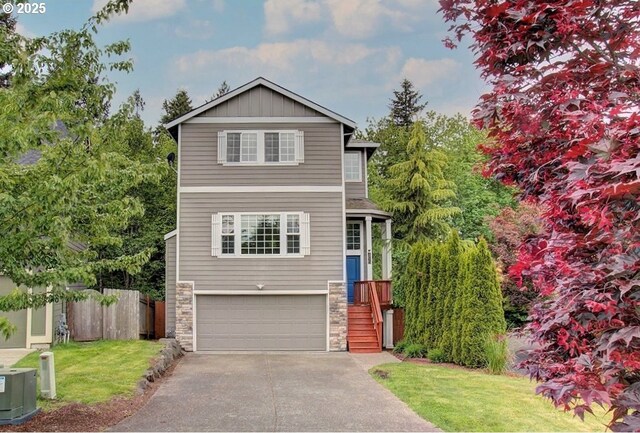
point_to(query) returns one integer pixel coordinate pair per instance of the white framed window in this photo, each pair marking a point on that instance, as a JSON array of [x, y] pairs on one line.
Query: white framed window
[[263, 234], [354, 238], [261, 147], [353, 166]]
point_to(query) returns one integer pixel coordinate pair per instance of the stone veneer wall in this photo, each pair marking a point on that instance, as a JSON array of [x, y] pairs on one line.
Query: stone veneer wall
[[337, 316], [184, 315]]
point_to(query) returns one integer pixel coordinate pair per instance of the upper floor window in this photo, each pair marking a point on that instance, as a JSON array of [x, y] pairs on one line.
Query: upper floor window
[[260, 234], [353, 166], [260, 147]]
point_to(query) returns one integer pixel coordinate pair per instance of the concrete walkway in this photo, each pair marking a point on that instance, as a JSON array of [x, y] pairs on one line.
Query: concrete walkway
[[274, 392], [8, 357]]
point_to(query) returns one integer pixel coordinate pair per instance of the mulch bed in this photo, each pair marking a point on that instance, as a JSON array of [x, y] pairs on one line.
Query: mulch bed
[[422, 361], [89, 417]]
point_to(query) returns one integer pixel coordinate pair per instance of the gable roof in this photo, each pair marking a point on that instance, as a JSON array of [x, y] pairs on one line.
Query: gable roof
[[260, 81]]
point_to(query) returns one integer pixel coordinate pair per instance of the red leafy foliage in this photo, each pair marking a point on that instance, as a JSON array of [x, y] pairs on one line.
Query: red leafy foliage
[[564, 111], [510, 228]]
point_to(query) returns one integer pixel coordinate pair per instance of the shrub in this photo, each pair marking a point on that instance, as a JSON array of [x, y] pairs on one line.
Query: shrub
[[400, 346], [415, 350], [482, 312], [436, 355], [496, 353]]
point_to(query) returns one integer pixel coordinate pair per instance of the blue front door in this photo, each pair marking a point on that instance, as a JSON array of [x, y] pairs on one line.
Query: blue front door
[[353, 275]]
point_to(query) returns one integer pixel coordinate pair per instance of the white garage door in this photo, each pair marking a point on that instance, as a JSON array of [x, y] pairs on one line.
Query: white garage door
[[261, 322]]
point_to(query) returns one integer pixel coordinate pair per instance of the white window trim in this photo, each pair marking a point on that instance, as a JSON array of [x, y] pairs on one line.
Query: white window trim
[[298, 140], [216, 235], [359, 167], [357, 252]]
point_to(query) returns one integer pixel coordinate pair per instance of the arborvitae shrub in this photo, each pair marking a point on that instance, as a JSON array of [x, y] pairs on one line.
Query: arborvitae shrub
[[451, 283], [482, 313]]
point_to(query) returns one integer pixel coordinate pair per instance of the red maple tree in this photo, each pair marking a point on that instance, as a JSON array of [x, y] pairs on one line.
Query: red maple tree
[[564, 112]]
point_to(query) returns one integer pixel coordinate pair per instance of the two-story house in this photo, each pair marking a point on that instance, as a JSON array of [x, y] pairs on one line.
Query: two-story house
[[273, 245]]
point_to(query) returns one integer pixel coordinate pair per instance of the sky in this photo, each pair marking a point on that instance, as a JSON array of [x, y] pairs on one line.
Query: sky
[[347, 55]]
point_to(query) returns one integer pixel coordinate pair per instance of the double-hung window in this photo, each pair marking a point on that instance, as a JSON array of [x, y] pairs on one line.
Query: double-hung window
[[266, 234], [353, 166], [268, 147]]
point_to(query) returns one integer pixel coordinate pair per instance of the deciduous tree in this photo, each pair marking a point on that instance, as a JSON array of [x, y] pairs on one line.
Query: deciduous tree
[[71, 196], [563, 113]]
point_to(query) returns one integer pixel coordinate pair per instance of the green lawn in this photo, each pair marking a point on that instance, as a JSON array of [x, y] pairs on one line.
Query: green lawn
[[97, 371], [457, 399]]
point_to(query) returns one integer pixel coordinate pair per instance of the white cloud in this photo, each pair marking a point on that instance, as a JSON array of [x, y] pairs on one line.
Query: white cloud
[[282, 15], [145, 10], [196, 29], [218, 5], [423, 73], [363, 18], [279, 57], [357, 19]]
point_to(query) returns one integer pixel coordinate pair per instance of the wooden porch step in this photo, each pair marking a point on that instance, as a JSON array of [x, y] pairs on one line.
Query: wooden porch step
[[364, 315], [363, 339], [362, 345], [359, 308]]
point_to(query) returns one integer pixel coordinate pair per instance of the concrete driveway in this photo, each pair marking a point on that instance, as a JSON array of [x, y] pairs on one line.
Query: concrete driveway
[[273, 392]]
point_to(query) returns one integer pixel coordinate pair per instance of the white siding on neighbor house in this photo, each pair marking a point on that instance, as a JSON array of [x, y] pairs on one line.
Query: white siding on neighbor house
[[261, 101], [199, 157], [357, 189], [276, 273], [170, 283]]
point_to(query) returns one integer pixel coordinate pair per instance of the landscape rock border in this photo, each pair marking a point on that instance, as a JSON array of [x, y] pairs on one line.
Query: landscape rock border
[[171, 352]]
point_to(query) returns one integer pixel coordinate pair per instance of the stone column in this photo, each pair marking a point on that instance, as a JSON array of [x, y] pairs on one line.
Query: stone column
[[184, 314], [337, 316]]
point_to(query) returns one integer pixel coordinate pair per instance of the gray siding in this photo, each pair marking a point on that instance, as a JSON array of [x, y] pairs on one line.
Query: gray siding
[[170, 284], [199, 157], [261, 102], [276, 273], [358, 189]]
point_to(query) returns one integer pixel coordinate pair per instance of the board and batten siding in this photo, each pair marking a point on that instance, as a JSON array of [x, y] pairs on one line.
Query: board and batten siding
[[276, 273], [357, 189], [199, 157], [170, 284], [261, 101]]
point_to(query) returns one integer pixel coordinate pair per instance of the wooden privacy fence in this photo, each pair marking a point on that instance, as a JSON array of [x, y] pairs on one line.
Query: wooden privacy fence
[[130, 318]]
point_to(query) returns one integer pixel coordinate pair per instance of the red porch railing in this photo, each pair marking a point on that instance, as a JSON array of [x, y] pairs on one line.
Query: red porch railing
[[376, 311], [382, 288]]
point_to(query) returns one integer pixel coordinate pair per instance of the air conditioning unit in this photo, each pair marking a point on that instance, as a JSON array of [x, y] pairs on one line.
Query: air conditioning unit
[[17, 395]]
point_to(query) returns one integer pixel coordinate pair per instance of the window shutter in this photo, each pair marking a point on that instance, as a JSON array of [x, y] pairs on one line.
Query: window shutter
[[216, 234], [299, 146], [305, 235], [222, 147]]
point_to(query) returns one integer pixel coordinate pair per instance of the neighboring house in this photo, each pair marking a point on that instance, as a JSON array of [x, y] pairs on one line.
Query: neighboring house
[[273, 246]]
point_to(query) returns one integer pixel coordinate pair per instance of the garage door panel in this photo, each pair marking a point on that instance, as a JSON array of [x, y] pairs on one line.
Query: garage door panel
[[263, 322]]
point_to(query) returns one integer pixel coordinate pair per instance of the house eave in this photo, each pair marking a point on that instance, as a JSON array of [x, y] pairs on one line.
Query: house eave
[[170, 234]]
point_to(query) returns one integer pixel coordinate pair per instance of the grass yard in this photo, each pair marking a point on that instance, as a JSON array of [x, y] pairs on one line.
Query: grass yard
[[96, 372], [456, 399]]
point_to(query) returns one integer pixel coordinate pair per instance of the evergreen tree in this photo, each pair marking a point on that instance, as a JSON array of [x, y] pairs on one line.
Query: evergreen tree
[[417, 193], [405, 104], [423, 274], [175, 107], [430, 306], [482, 315], [458, 305], [412, 304], [451, 287]]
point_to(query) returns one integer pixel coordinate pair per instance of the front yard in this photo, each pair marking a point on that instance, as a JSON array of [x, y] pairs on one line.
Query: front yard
[[457, 399], [96, 372]]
